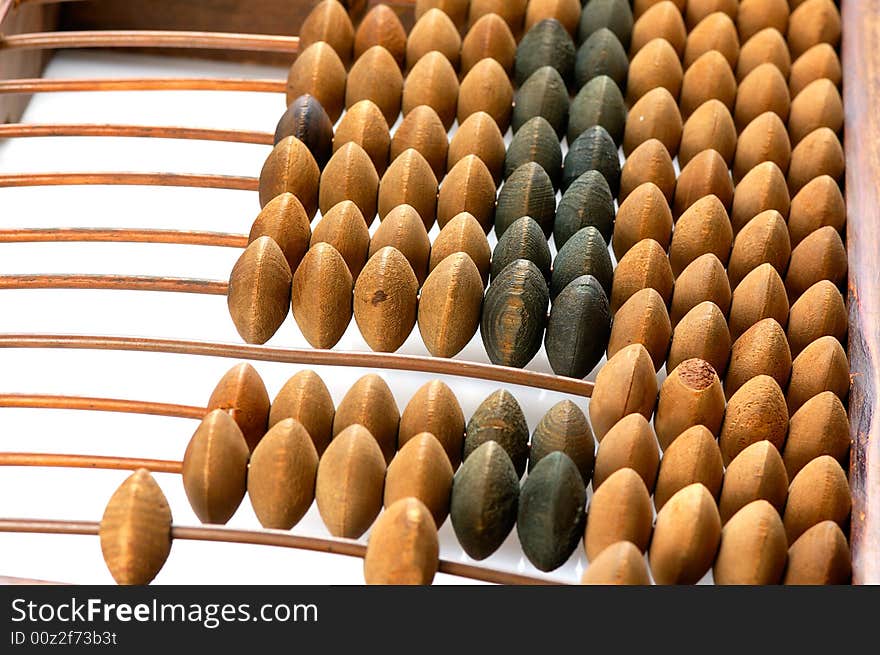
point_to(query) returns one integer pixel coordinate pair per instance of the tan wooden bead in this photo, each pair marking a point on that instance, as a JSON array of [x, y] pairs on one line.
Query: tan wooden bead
[[365, 125], [421, 470], [319, 72], [630, 443], [489, 36], [403, 229], [409, 180], [620, 563], [764, 139], [479, 135], [756, 15], [760, 295], [817, 204], [765, 47], [697, 10], [710, 126], [761, 350], [305, 398], [385, 300], [654, 116], [764, 89], [693, 457], [381, 26], [753, 547], [756, 412], [708, 78], [820, 256], [369, 403], [486, 88], [820, 492], [434, 30], [650, 162], [449, 305], [819, 312], [626, 384], [641, 6], [433, 82], [715, 32], [661, 20], [764, 239], [757, 473], [290, 167], [761, 189], [818, 105], [655, 65], [375, 76], [285, 221], [819, 427], [821, 366], [321, 296], [403, 548], [457, 10], [463, 234], [691, 395], [818, 153], [813, 22], [642, 319], [567, 12], [644, 266], [643, 215], [258, 297], [350, 175], [820, 61], [422, 130], [701, 334], [242, 394], [434, 408], [703, 228], [820, 556], [619, 510], [467, 188], [344, 228], [706, 174], [703, 279], [512, 11], [330, 23]]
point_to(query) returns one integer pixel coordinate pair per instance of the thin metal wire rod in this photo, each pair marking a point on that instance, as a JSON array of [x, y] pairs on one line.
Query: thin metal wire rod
[[114, 283], [150, 39], [19, 130], [122, 235], [64, 460], [132, 179], [87, 403], [268, 538], [43, 85], [307, 357]]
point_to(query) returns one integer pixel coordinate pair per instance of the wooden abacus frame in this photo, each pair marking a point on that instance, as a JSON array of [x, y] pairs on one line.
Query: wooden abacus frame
[[29, 27]]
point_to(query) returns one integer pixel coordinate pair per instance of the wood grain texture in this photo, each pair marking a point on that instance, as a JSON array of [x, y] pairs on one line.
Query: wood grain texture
[[862, 124]]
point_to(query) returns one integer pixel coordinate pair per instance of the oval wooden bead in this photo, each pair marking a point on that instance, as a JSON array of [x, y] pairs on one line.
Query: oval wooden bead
[[763, 240], [318, 71], [714, 32], [765, 139], [706, 174], [567, 12], [765, 47], [702, 229], [821, 366], [818, 493], [761, 189], [490, 37], [385, 300], [616, 15], [819, 62], [135, 530], [422, 130], [349, 483], [819, 427], [701, 334], [329, 22], [686, 537], [432, 82], [215, 468], [512, 11], [434, 30], [660, 20], [594, 149], [523, 240], [543, 94], [478, 135], [375, 76], [586, 202], [654, 116], [655, 65], [578, 328], [819, 312], [409, 180], [565, 428], [290, 167], [585, 253], [462, 234], [641, 6], [305, 398], [691, 395], [650, 162], [620, 510], [753, 548], [761, 350], [365, 125], [381, 26], [819, 153], [645, 265], [701, 280], [630, 443], [601, 55], [467, 188], [708, 78], [813, 22], [599, 102], [551, 511], [818, 105], [817, 204], [527, 192], [545, 44], [499, 418], [449, 305], [485, 495], [321, 296], [403, 548], [754, 413], [370, 404], [242, 394], [820, 256], [709, 127], [756, 15], [434, 409], [627, 384], [762, 90], [535, 142], [344, 228], [421, 470], [486, 88], [350, 175], [820, 556], [457, 10], [760, 295], [642, 319], [697, 10], [281, 475], [620, 563], [285, 221], [693, 457], [259, 291], [757, 473], [402, 228], [643, 215], [306, 120]]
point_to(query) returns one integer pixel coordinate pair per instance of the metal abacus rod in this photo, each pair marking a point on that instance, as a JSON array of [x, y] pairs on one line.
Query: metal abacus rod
[[150, 39], [18, 130], [87, 403], [42, 85], [205, 181], [115, 283], [126, 235]]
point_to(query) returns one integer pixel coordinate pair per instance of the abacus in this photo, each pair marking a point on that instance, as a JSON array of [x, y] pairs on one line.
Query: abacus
[[636, 203]]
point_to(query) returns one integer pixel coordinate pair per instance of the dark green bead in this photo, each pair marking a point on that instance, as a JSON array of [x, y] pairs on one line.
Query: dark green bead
[[499, 418], [543, 94], [535, 141], [527, 192], [565, 428], [601, 54], [546, 44], [522, 240], [306, 120], [585, 253], [550, 521], [616, 15], [594, 150], [587, 201], [599, 102], [578, 329]]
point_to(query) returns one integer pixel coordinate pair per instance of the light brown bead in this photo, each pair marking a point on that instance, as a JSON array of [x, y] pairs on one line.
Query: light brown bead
[[754, 413], [820, 492], [709, 127], [761, 350], [702, 334], [403, 229], [820, 61], [423, 131], [512, 11], [478, 135], [654, 116], [818, 105], [259, 291], [662, 20], [626, 384], [344, 228], [764, 139], [642, 319], [381, 26], [421, 470], [365, 125], [708, 78], [449, 305], [714, 32], [370, 403], [457, 10], [305, 397], [706, 174], [817, 204], [630, 443], [567, 12], [703, 228], [819, 312], [763, 240], [375, 76], [644, 266], [765, 47], [819, 153], [330, 23], [486, 88], [385, 300], [819, 427], [620, 510], [649, 162], [318, 71], [409, 180], [820, 556], [820, 256], [291, 168], [467, 188], [242, 394], [753, 547], [697, 10], [813, 22], [757, 473], [403, 548], [762, 90], [435, 409], [350, 175], [821, 366], [490, 37], [760, 295], [692, 458], [321, 296], [433, 31], [620, 563], [643, 215], [350, 481], [655, 65], [641, 6], [285, 221], [691, 395], [756, 15], [463, 234], [433, 82], [761, 189]]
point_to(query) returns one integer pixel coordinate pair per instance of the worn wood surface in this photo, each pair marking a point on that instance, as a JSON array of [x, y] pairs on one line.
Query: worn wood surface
[[24, 63]]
